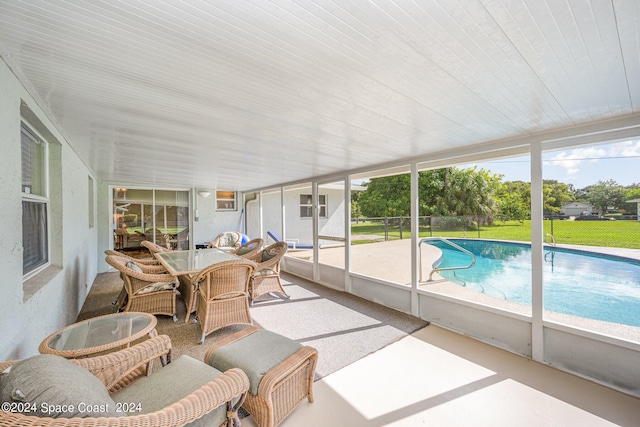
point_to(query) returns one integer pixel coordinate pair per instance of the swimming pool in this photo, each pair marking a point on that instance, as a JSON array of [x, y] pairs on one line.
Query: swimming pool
[[594, 286]]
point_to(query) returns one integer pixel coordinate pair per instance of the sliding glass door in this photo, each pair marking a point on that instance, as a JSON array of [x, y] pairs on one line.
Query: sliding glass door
[[160, 216]]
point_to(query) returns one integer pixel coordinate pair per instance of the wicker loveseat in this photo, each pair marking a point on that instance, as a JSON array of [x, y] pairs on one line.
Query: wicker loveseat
[[112, 390]]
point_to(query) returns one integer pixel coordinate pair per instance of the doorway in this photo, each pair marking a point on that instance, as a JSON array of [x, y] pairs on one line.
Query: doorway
[[160, 216]]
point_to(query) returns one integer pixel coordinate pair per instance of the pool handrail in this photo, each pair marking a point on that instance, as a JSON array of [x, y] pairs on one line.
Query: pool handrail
[[437, 262], [553, 239]]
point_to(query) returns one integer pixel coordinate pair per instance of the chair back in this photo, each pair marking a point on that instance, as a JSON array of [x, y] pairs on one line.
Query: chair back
[[136, 280], [112, 252], [182, 239], [227, 239], [225, 279], [249, 249], [144, 261], [270, 256], [154, 248]]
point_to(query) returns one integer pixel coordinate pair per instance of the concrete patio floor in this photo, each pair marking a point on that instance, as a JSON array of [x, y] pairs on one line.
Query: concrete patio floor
[[440, 378]]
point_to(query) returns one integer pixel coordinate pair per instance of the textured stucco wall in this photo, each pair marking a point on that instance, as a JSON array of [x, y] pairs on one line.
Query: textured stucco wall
[[52, 298]]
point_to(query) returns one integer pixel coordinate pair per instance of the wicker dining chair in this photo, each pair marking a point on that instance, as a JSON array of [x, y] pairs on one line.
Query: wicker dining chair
[[89, 392], [145, 265], [222, 295], [249, 249], [152, 293], [266, 279]]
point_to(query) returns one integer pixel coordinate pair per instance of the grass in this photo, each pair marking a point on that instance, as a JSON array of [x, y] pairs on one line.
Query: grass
[[618, 234], [168, 230]]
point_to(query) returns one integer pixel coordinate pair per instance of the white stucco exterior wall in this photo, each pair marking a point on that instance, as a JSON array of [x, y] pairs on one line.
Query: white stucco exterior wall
[[297, 228], [60, 290]]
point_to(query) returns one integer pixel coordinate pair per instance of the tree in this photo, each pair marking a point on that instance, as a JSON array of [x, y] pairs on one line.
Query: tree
[[514, 200], [555, 195], [447, 191], [606, 194], [386, 196], [356, 212], [468, 192]]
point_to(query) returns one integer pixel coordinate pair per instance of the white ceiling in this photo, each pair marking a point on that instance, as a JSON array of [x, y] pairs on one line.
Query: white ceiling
[[243, 94]]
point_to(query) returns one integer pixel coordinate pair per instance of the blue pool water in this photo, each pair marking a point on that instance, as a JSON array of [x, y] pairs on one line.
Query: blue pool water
[[579, 283]]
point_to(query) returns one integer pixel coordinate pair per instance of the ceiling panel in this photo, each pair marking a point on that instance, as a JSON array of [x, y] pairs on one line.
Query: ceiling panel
[[247, 94]]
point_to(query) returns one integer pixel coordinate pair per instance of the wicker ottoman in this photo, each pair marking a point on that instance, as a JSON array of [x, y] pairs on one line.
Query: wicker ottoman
[[280, 371]]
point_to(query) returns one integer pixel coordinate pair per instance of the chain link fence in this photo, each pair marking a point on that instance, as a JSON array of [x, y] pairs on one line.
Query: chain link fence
[[615, 233]]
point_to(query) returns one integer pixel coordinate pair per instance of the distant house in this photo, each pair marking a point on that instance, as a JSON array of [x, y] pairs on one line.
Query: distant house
[[577, 208], [638, 204]]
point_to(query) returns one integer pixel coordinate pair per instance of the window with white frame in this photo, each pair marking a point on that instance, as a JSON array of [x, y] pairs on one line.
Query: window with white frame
[[225, 200], [306, 206], [35, 200]]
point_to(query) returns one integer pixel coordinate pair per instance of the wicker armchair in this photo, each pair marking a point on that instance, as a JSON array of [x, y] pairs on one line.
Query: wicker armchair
[[152, 293], [148, 266], [266, 279], [124, 377], [227, 241], [222, 295], [250, 249], [187, 285]]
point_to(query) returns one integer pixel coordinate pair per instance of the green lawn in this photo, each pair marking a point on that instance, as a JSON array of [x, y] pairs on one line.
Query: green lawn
[[168, 230], [620, 234]]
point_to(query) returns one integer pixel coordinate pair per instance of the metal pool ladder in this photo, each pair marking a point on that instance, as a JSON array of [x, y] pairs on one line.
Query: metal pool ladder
[[435, 269], [553, 240]]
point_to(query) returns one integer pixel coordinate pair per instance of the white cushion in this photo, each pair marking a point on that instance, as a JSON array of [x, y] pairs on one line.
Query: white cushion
[[157, 286]]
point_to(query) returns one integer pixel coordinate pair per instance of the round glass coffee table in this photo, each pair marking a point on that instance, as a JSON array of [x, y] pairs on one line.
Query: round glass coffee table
[[99, 334]]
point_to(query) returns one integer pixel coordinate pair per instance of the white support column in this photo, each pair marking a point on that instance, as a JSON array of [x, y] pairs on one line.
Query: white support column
[[347, 233], [283, 215], [537, 238], [315, 212], [260, 216], [415, 309]]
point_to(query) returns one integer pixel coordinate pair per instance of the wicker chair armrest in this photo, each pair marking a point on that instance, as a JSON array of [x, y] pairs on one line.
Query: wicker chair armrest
[[5, 365], [147, 261], [224, 388], [291, 364], [270, 264], [119, 368], [151, 277], [152, 269]]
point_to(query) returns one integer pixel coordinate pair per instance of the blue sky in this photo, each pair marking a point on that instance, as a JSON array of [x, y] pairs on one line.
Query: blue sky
[[581, 167]]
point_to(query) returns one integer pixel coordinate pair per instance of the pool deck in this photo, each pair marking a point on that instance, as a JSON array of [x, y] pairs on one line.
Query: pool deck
[[391, 261]]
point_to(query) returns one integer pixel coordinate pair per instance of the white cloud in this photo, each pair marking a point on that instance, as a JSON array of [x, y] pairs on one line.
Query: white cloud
[[572, 160]]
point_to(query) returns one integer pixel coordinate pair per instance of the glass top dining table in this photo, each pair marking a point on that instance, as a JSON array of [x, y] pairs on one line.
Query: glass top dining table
[[192, 261]]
